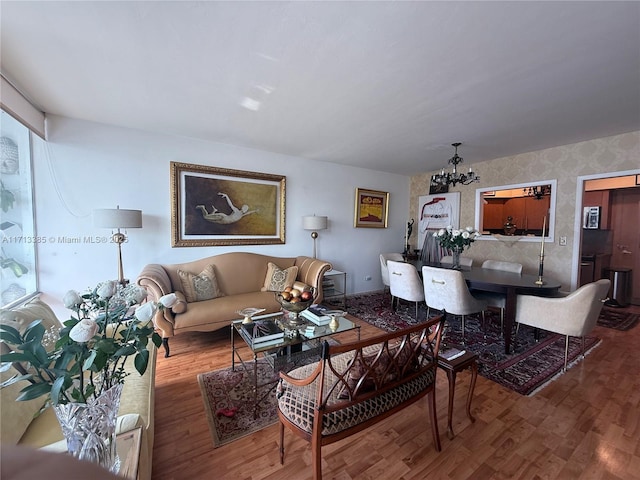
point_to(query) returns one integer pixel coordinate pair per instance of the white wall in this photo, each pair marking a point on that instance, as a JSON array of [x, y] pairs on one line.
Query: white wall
[[86, 165]]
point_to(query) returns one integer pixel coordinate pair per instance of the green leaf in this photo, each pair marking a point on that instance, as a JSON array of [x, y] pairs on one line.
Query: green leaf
[[33, 391], [10, 335], [141, 361], [88, 363], [56, 388], [15, 379], [156, 339]]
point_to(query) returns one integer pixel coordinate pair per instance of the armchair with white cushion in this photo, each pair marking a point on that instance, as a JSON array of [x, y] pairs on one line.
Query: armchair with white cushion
[[574, 314]]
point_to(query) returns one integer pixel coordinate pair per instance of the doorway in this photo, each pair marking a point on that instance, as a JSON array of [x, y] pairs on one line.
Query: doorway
[[615, 243]]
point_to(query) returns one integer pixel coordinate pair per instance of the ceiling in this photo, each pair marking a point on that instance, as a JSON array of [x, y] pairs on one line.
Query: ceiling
[[381, 85]]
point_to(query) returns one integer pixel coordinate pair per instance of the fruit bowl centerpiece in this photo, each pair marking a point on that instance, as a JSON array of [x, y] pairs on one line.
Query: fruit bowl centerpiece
[[295, 301]]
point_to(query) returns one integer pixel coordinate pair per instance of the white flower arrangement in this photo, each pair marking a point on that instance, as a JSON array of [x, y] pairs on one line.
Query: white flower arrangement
[[88, 358], [451, 238]]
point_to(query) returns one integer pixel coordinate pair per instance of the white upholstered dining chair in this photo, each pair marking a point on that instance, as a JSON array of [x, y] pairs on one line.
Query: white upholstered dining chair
[[446, 290], [574, 314], [384, 270], [405, 283], [499, 300]]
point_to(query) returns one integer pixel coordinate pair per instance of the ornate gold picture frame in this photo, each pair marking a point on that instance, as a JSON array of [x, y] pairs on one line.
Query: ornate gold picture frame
[[220, 206], [371, 209]]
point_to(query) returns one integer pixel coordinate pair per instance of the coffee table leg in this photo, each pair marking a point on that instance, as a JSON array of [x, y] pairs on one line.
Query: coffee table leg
[[255, 386], [472, 386], [451, 376]]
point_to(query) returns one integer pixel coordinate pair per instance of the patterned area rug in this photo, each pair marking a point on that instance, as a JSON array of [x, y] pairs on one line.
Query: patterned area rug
[[618, 319], [231, 392], [530, 366]]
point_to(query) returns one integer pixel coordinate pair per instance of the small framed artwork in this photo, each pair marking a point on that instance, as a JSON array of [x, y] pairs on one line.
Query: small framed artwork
[[371, 209], [220, 206]]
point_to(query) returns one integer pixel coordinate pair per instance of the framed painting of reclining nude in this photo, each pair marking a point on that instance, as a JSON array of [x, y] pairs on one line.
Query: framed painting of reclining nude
[[220, 206]]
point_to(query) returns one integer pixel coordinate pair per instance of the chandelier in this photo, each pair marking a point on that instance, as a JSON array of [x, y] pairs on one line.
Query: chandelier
[[453, 177], [537, 191]]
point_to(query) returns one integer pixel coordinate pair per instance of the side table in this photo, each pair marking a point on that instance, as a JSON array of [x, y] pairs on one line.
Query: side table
[[331, 290], [452, 367]]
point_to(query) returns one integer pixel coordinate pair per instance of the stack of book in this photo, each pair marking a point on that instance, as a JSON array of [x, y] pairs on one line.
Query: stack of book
[[452, 353], [262, 333], [328, 287], [319, 314]]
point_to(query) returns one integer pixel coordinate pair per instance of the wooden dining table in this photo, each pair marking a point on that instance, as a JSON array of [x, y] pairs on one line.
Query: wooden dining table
[[508, 283]]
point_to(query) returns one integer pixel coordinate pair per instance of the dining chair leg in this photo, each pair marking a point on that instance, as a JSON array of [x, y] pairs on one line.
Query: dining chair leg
[[566, 352]]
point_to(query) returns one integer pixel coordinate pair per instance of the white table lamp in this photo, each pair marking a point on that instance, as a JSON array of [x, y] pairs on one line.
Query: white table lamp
[[314, 223], [117, 218]]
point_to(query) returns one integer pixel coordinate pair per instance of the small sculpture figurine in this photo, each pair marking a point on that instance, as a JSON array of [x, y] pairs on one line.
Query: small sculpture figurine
[[407, 247], [509, 226]]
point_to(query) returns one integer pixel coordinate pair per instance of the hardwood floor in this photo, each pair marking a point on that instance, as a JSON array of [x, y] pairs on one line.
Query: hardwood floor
[[584, 425]]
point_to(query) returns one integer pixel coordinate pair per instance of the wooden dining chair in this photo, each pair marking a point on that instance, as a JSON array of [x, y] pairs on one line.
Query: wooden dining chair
[[446, 290], [405, 283], [499, 300], [574, 314]]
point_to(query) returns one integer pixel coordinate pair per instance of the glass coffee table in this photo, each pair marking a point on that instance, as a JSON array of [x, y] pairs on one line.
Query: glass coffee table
[[301, 343]]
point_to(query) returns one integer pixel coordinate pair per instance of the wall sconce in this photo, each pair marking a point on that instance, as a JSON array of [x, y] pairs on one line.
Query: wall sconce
[[314, 223], [117, 218]]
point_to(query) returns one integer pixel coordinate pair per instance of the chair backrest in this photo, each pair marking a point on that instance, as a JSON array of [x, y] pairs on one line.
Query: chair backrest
[[574, 314], [404, 281], [584, 306], [464, 261], [384, 258], [504, 266], [446, 289]]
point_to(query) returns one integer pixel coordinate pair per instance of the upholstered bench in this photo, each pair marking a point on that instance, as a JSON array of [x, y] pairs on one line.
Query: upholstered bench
[[358, 384]]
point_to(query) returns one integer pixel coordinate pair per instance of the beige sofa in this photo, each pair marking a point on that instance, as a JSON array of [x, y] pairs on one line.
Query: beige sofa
[[19, 427], [240, 280]]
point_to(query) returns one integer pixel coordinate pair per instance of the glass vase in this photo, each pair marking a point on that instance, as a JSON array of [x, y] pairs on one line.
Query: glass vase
[[90, 428], [457, 250]]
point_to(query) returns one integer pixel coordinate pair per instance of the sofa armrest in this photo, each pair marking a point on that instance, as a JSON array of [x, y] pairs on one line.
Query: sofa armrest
[[311, 271], [156, 281]]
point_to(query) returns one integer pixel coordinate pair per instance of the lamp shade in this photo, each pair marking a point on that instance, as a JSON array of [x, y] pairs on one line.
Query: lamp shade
[[313, 222], [117, 218]]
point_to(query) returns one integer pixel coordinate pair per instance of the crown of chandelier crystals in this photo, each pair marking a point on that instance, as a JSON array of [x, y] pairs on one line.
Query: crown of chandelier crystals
[[454, 177]]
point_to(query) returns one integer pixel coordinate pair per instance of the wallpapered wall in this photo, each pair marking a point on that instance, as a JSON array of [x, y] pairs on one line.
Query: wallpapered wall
[[565, 163]]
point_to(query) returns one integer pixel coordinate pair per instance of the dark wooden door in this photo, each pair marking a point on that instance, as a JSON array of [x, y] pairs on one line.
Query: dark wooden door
[[625, 222]]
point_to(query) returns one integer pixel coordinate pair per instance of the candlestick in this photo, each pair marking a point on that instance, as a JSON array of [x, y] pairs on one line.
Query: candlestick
[[544, 224], [541, 265]]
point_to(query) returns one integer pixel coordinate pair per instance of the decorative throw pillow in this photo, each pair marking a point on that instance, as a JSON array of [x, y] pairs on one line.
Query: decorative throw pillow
[[200, 287], [277, 279]]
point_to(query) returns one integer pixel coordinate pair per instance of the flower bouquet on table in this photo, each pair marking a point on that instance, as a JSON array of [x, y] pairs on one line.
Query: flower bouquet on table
[[455, 240], [80, 366]]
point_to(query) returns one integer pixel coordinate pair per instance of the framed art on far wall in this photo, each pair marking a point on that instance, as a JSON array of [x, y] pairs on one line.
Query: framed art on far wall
[[220, 206], [371, 209]]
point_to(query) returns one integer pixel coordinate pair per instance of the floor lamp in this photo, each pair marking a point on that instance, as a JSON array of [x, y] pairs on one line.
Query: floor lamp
[[314, 223], [117, 218]]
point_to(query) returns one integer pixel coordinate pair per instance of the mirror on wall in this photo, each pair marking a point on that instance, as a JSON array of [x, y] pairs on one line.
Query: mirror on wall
[[517, 212]]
